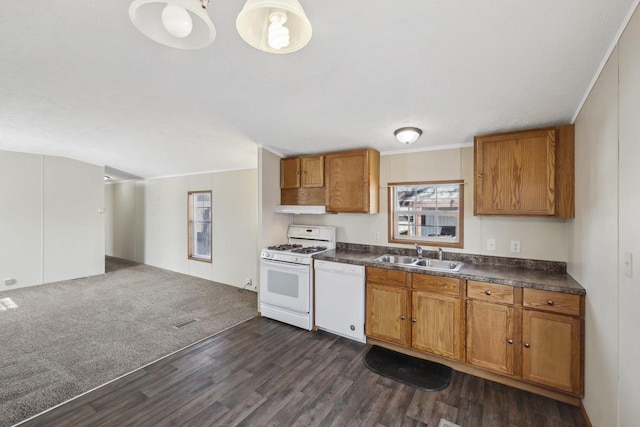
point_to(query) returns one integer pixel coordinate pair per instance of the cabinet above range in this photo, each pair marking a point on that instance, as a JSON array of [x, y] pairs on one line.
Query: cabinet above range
[[345, 181]]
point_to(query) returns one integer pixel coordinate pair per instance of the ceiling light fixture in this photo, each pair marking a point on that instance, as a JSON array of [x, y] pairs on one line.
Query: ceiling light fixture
[[183, 24], [407, 135], [261, 23]]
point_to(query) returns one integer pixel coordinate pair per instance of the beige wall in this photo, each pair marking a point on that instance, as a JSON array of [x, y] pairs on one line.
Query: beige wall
[[593, 239], [606, 227], [49, 221], [120, 220], [150, 224], [629, 217], [540, 238], [272, 227], [73, 242], [20, 219]]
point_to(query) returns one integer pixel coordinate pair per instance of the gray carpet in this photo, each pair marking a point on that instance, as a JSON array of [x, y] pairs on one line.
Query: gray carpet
[[65, 338]]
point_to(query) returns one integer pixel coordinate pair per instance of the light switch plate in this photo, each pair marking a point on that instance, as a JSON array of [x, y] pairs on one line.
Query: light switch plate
[[376, 236], [515, 246], [491, 245], [628, 264]]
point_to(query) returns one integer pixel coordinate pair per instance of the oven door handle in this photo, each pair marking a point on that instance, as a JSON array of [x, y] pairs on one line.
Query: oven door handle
[[286, 264]]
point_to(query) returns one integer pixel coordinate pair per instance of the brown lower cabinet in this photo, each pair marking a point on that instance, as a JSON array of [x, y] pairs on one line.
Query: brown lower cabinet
[[387, 313], [533, 339], [491, 336], [552, 350], [424, 317]]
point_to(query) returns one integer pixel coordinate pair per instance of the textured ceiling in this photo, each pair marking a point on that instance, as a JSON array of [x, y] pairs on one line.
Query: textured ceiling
[[78, 80]]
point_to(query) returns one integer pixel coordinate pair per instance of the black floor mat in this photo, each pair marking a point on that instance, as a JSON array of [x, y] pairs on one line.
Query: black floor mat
[[418, 373]]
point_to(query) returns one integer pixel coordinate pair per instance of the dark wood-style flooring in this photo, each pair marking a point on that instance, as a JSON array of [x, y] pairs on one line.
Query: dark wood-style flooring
[[265, 373]]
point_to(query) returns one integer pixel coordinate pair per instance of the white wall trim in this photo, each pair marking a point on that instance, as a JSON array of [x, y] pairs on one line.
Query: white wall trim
[[41, 219], [196, 173], [432, 148], [612, 46]]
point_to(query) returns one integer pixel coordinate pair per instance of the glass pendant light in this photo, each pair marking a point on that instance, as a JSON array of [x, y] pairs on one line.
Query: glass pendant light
[[182, 24], [274, 26]]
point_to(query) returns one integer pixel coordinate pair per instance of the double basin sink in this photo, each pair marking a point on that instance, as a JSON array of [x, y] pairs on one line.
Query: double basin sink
[[426, 263]]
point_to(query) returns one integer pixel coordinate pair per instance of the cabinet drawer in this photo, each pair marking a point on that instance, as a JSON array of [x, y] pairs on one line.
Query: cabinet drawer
[[490, 292], [386, 277], [443, 285], [551, 301]]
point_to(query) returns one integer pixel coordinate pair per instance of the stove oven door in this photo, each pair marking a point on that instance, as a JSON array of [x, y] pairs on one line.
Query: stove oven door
[[285, 285]]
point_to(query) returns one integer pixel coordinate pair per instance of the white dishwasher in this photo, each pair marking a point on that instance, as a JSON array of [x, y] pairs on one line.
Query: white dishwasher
[[339, 299]]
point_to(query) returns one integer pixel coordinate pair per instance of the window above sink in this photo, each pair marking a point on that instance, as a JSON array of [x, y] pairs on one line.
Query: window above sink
[[429, 213]]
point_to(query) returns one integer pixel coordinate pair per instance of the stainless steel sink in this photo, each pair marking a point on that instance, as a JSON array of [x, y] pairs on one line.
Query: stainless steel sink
[[397, 259], [435, 264], [425, 263]]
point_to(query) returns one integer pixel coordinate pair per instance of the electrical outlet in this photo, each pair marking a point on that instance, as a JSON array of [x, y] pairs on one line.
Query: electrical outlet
[[515, 246], [376, 236], [9, 281], [491, 245]]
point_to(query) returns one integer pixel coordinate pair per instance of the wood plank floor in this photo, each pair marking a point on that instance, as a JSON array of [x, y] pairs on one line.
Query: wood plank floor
[[265, 373]]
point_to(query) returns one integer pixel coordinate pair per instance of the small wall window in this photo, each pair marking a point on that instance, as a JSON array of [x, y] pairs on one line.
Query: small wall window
[[428, 213], [200, 225]]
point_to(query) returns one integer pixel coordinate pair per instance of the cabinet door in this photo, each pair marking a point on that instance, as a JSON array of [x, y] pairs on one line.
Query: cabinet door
[[515, 173], [436, 324], [347, 181], [551, 352], [491, 343], [312, 171], [290, 173], [388, 313]]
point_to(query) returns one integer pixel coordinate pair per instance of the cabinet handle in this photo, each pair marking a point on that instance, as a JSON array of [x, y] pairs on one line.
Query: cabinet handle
[[550, 302], [402, 317], [487, 292], [479, 175], [527, 345], [510, 341], [302, 172], [364, 181], [414, 320]]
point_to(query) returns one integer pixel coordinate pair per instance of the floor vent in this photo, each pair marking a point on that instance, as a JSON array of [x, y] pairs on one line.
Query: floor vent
[[183, 324], [447, 423]]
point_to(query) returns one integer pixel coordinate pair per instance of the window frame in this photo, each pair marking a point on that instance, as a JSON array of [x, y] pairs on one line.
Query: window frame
[[190, 225], [391, 215]]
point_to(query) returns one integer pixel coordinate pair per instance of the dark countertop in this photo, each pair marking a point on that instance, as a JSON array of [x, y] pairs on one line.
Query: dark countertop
[[500, 274]]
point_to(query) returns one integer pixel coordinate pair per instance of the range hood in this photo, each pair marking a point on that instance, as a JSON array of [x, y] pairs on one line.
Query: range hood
[[301, 209]]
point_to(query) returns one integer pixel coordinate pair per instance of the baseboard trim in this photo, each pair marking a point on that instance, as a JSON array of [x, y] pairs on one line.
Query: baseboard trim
[[471, 370], [585, 415]]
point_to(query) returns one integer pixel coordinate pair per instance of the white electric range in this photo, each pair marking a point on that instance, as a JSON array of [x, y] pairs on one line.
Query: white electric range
[[286, 274]]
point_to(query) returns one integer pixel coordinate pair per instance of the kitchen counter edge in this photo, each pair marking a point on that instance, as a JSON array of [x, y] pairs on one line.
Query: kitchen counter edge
[[501, 275]]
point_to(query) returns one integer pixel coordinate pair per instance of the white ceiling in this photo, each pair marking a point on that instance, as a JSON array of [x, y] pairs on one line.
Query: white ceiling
[[78, 80]]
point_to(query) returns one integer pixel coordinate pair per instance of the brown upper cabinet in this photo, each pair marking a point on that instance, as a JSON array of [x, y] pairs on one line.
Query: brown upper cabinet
[[525, 173], [353, 181], [302, 172]]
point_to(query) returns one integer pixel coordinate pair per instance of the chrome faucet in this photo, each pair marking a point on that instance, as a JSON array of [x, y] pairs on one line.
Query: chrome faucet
[[440, 254], [419, 249]]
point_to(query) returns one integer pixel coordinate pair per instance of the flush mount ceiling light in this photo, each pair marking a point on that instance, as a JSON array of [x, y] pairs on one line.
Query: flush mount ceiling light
[[274, 26], [183, 24], [407, 135]]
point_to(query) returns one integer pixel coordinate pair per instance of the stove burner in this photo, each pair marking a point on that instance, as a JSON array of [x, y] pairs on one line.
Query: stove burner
[[285, 247], [309, 250]]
